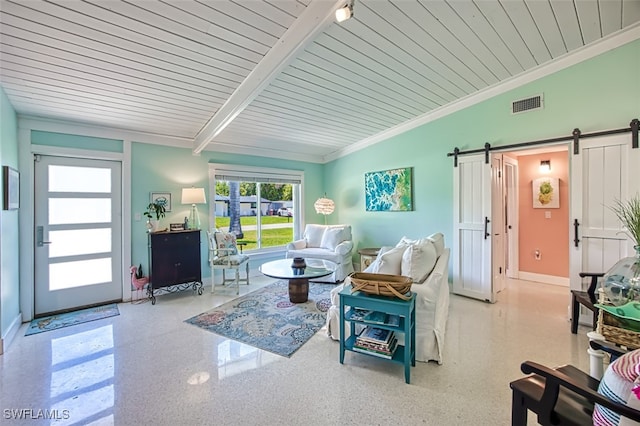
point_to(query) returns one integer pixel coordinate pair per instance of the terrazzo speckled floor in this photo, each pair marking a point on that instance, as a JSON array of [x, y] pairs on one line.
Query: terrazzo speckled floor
[[147, 367]]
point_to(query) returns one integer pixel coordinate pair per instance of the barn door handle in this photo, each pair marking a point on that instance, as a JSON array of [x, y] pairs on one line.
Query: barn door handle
[[486, 226], [576, 224]]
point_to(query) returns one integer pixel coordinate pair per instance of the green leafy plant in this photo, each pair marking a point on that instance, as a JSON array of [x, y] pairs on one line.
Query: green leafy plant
[[629, 214], [155, 209]]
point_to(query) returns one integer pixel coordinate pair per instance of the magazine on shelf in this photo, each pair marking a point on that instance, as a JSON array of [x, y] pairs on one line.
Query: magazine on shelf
[[381, 348], [376, 335], [357, 314], [382, 354], [393, 320], [376, 317]]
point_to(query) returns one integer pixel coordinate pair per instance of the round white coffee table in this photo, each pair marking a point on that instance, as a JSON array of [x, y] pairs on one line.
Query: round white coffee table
[[298, 277]]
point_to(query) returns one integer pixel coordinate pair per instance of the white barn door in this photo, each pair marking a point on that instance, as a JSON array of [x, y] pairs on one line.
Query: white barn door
[[605, 169], [472, 274]]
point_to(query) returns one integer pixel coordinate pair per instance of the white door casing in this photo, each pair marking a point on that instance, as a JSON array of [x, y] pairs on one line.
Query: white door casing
[[605, 169], [512, 264], [78, 233], [472, 275], [498, 254]]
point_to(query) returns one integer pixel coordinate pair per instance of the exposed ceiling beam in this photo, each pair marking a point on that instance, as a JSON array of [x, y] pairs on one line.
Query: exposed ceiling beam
[[315, 19]]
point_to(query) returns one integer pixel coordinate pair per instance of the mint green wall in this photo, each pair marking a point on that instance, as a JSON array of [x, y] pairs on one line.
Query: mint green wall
[[159, 168], [65, 140], [598, 94], [9, 241]]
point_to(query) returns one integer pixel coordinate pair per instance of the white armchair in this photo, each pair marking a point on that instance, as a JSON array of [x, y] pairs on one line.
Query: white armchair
[[327, 242]]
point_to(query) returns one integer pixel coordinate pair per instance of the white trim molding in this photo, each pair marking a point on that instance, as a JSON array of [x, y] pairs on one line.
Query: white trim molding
[[545, 279]]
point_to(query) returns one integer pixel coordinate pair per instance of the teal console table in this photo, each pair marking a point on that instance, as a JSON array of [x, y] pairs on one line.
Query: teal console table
[[406, 310]]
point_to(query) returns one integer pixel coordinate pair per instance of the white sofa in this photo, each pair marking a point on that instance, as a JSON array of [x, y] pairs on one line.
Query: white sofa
[[328, 242], [432, 293]]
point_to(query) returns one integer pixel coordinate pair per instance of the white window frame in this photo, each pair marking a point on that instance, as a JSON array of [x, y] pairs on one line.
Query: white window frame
[[264, 175]]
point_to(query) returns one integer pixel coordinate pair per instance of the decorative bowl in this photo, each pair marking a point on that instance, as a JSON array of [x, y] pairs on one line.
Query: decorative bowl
[[298, 263]]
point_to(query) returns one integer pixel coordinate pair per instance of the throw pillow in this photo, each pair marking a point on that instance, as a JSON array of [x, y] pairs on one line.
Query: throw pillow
[[313, 234], [391, 261], [633, 401], [438, 241], [418, 261], [616, 384], [331, 238], [226, 240]]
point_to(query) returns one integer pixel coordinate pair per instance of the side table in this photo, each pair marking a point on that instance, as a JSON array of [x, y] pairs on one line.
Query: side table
[[405, 309], [367, 255]]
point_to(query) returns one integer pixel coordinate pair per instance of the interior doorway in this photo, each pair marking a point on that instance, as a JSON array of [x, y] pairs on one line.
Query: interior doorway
[[535, 240]]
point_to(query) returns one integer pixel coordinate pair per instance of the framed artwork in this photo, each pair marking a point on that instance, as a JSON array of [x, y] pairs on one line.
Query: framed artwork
[[389, 190], [163, 198], [10, 188], [546, 193]]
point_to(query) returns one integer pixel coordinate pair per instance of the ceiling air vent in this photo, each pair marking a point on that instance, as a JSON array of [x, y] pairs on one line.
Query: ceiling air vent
[[528, 104]]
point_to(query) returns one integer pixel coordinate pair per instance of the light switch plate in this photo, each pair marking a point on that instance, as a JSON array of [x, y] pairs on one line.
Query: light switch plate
[[547, 214]]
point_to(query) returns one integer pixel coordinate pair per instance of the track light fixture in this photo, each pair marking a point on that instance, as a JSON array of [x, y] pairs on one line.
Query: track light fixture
[[345, 12]]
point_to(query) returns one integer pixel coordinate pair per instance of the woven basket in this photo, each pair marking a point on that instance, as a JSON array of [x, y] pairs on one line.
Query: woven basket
[[611, 330], [381, 284]]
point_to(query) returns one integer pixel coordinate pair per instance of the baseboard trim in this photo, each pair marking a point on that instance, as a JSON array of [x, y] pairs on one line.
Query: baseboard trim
[[542, 278], [12, 331]]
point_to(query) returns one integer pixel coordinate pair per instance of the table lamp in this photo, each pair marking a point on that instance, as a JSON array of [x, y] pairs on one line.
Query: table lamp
[[193, 196]]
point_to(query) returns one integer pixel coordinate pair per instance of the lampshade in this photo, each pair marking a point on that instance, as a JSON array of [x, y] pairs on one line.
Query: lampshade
[[344, 13], [324, 206], [193, 196]]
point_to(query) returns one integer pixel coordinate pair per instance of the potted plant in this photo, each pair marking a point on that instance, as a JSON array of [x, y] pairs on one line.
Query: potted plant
[[157, 210], [629, 214], [622, 282]]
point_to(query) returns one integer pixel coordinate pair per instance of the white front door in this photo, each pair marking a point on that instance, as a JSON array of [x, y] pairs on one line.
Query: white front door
[[604, 170], [78, 233], [472, 275]]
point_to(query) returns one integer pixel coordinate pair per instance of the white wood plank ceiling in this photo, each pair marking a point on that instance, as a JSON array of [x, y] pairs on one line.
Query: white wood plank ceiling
[[280, 78]]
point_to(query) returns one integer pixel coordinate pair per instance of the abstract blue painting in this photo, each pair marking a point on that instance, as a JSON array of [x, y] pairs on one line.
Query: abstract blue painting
[[389, 190]]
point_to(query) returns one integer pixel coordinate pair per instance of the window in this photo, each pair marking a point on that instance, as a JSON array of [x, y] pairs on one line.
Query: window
[[259, 205]]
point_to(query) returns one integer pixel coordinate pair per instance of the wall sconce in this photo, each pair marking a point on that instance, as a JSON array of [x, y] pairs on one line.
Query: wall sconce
[[345, 12], [193, 196], [545, 166]]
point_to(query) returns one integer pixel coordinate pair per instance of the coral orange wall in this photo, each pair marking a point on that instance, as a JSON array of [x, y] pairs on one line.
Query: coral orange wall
[[550, 236]]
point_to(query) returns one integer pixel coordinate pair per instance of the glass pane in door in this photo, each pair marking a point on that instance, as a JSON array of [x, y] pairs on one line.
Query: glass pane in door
[[79, 241], [65, 179], [79, 210], [80, 273]]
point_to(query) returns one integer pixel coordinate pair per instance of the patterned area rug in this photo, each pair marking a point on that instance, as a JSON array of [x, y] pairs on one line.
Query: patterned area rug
[[55, 322], [267, 320]]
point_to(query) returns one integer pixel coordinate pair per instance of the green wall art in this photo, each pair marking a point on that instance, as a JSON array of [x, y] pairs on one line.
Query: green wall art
[[389, 190]]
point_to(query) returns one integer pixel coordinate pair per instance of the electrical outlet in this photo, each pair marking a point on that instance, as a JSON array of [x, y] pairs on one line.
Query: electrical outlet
[[138, 217], [537, 254], [547, 214]]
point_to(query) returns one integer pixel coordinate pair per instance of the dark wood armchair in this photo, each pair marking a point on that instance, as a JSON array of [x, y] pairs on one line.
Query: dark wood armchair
[[585, 298], [561, 396]]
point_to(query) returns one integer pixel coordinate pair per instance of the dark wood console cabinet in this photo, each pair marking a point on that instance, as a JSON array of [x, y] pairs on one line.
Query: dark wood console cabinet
[[174, 259]]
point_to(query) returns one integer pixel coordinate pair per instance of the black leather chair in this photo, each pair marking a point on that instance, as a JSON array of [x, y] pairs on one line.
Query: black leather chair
[[562, 396], [585, 298]]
